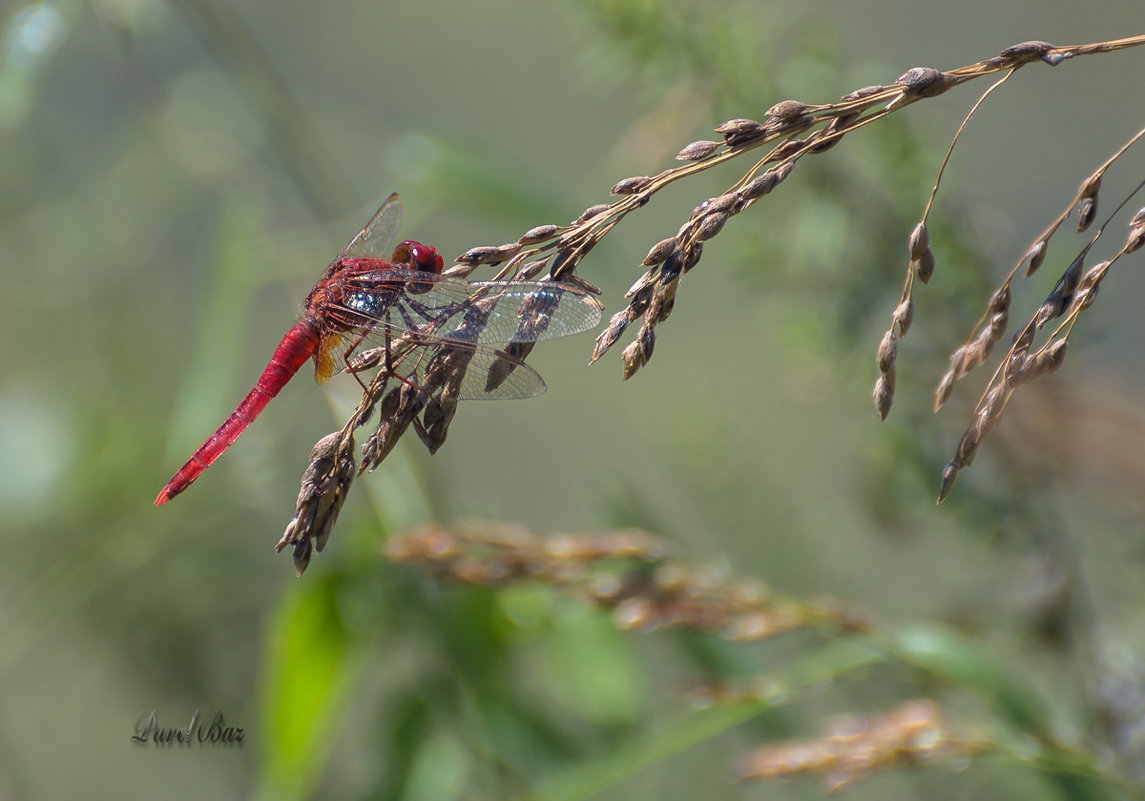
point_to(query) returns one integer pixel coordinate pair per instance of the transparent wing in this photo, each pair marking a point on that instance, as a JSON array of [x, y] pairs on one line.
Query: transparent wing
[[469, 368], [466, 370], [483, 312], [437, 331], [373, 241]]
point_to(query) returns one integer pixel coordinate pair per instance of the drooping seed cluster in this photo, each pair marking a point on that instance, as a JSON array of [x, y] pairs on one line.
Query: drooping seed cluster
[[1074, 292], [324, 486], [993, 322], [789, 130], [911, 734], [626, 572]]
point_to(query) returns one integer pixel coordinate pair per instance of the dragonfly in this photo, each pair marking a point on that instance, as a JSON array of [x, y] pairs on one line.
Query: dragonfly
[[409, 311]]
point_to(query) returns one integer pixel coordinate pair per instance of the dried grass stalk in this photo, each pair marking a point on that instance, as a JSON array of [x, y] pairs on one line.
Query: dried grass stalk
[[790, 131]]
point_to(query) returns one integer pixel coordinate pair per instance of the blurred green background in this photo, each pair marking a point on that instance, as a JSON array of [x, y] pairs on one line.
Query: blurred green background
[[174, 176]]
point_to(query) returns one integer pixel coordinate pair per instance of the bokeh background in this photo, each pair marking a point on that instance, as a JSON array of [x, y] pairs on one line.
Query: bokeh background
[[174, 176]]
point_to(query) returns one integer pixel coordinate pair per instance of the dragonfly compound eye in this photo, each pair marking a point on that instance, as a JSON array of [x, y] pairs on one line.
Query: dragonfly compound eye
[[424, 258]]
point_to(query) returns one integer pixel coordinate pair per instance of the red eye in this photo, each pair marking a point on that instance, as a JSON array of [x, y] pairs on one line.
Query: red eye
[[424, 258], [401, 254]]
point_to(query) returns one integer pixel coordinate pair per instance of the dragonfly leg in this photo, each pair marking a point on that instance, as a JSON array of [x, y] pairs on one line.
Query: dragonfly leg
[[350, 352], [392, 369]]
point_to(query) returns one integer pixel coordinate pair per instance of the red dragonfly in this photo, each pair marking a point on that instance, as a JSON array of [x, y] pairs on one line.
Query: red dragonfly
[[363, 298]]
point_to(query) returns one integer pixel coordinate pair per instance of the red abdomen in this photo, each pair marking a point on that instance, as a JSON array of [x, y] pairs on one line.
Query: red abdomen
[[292, 352]]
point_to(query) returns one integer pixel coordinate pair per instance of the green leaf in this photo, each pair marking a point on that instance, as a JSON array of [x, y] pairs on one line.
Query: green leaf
[[311, 666]]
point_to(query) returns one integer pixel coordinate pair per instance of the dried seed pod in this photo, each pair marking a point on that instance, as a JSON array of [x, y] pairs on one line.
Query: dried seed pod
[[692, 256], [531, 269], [821, 142], [1023, 340], [1136, 238], [989, 413], [459, 270], [759, 186], [1050, 357], [1091, 186], [630, 186], [747, 137], [924, 266], [672, 267], [507, 251], [478, 255], [788, 127], [660, 251], [997, 327], [839, 125], [903, 316], [961, 361], [1086, 211], [539, 234], [610, 334], [591, 212], [713, 204], [944, 388], [1060, 298], [1035, 256], [975, 352], [1026, 51], [437, 416], [781, 171], [564, 263], [884, 393], [738, 126], [949, 474], [1093, 276], [1000, 300], [697, 151], [866, 91], [888, 351], [641, 284], [787, 148], [999, 311], [638, 352], [787, 109], [925, 81], [1086, 292], [655, 309], [1021, 371], [919, 241], [710, 226], [1138, 218]]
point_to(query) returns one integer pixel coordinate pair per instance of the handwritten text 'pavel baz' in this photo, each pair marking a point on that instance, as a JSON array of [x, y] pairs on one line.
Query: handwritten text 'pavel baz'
[[147, 729]]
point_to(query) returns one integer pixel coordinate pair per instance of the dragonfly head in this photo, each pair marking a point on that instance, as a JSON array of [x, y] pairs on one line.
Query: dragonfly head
[[419, 257]]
